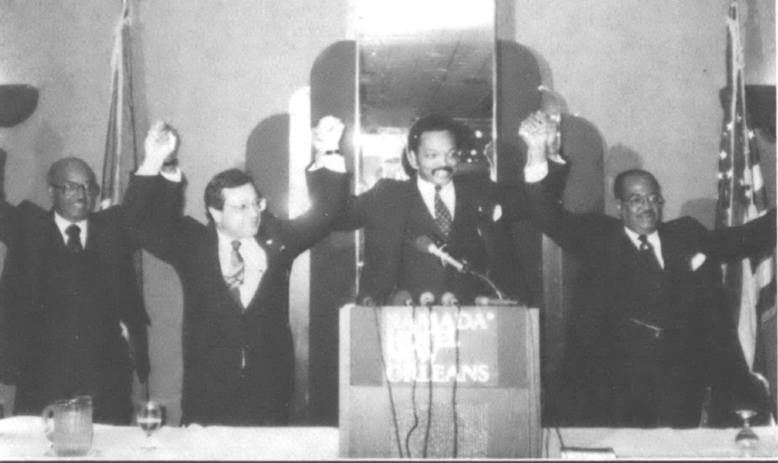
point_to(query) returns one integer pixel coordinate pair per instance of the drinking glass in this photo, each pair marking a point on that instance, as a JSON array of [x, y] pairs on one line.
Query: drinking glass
[[746, 438], [149, 419]]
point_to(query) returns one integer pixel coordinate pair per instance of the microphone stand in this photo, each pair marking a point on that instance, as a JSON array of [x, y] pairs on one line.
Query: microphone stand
[[500, 295]]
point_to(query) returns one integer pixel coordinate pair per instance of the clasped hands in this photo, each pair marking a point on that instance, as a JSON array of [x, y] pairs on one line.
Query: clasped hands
[[541, 134], [161, 145]]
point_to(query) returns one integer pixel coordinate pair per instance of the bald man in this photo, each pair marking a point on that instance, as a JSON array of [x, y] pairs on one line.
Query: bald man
[[70, 286]]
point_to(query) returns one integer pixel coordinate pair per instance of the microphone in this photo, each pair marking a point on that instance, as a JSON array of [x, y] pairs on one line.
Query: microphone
[[426, 299], [402, 298], [449, 300], [425, 244], [484, 300]]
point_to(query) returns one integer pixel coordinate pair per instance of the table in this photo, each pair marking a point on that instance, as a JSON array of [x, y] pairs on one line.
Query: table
[[661, 443], [22, 437]]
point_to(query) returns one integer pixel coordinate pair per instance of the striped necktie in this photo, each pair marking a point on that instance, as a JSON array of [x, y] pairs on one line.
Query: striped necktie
[[442, 214], [235, 278]]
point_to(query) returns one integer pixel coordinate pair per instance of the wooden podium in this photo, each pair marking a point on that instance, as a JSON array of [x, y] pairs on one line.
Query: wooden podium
[[413, 378]]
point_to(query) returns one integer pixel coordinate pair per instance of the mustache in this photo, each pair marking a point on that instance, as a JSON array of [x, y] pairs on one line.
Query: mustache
[[448, 169]]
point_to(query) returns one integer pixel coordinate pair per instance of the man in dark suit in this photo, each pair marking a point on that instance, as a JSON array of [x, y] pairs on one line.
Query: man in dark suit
[[649, 332], [71, 291], [467, 216], [237, 343]]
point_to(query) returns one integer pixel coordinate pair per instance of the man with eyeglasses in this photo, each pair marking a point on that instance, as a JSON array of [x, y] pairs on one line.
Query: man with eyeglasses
[[237, 343], [468, 217], [649, 333], [71, 294]]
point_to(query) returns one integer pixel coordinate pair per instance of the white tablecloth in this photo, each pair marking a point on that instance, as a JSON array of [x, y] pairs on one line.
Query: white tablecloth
[[661, 443], [22, 437]]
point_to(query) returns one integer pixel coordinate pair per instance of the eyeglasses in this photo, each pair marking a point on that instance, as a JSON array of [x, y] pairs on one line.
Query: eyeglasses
[[637, 200], [257, 205], [450, 156], [71, 188]]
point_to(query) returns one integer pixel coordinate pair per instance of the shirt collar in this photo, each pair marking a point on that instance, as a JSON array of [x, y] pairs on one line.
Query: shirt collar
[[63, 224], [653, 238], [226, 242], [428, 188]]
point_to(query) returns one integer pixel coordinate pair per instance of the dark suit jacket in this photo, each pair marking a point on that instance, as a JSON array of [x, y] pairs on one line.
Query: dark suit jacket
[[617, 372], [238, 365], [393, 215], [32, 331]]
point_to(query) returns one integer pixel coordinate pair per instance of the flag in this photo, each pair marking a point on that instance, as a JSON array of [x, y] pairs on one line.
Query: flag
[[121, 158], [121, 154], [742, 198]]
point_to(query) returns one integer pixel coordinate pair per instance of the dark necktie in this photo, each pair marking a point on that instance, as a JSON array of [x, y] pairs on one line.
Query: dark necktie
[[647, 252], [442, 214], [74, 238], [235, 278]]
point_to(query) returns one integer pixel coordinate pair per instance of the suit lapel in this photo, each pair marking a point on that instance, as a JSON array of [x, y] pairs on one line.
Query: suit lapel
[[673, 251], [272, 247]]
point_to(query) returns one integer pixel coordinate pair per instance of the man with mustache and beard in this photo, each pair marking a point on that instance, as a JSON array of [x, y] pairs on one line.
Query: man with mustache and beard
[[466, 215], [70, 285], [650, 332]]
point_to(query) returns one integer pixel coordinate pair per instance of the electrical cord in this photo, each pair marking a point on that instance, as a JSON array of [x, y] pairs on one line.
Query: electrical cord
[[388, 383]]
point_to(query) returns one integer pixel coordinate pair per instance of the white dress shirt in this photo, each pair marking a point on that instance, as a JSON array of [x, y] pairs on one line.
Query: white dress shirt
[[254, 264], [447, 194], [653, 238], [63, 224]]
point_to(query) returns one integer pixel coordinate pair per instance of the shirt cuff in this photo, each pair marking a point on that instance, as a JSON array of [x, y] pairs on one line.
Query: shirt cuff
[[151, 170], [538, 172], [333, 162], [174, 176]]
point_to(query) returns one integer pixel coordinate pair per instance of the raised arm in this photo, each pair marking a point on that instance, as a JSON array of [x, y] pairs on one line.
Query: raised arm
[[579, 235], [152, 204], [327, 185], [735, 243]]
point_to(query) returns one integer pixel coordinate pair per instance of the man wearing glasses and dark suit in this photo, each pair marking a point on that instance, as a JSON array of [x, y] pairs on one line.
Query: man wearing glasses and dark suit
[[71, 301], [649, 332], [237, 343]]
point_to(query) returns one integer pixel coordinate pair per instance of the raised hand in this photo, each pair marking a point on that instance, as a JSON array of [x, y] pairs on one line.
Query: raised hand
[[536, 132], [327, 134], [160, 145]]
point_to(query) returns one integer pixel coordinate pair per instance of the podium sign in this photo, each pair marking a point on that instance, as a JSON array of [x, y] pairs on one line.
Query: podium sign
[[439, 382]]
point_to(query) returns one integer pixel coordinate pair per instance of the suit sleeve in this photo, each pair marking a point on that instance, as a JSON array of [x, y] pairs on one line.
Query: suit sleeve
[[8, 236], [328, 191], [152, 215], [355, 212], [734, 243], [515, 199], [581, 235]]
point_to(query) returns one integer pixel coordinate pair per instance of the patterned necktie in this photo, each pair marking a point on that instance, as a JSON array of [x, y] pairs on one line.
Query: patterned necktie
[[74, 238], [442, 214], [235, 279], [647, 252]]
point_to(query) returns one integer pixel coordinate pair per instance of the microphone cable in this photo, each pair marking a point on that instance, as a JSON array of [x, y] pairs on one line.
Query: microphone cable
[[500, 295], [456, 375], [413, 385], [429, 372], [388, 382]]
